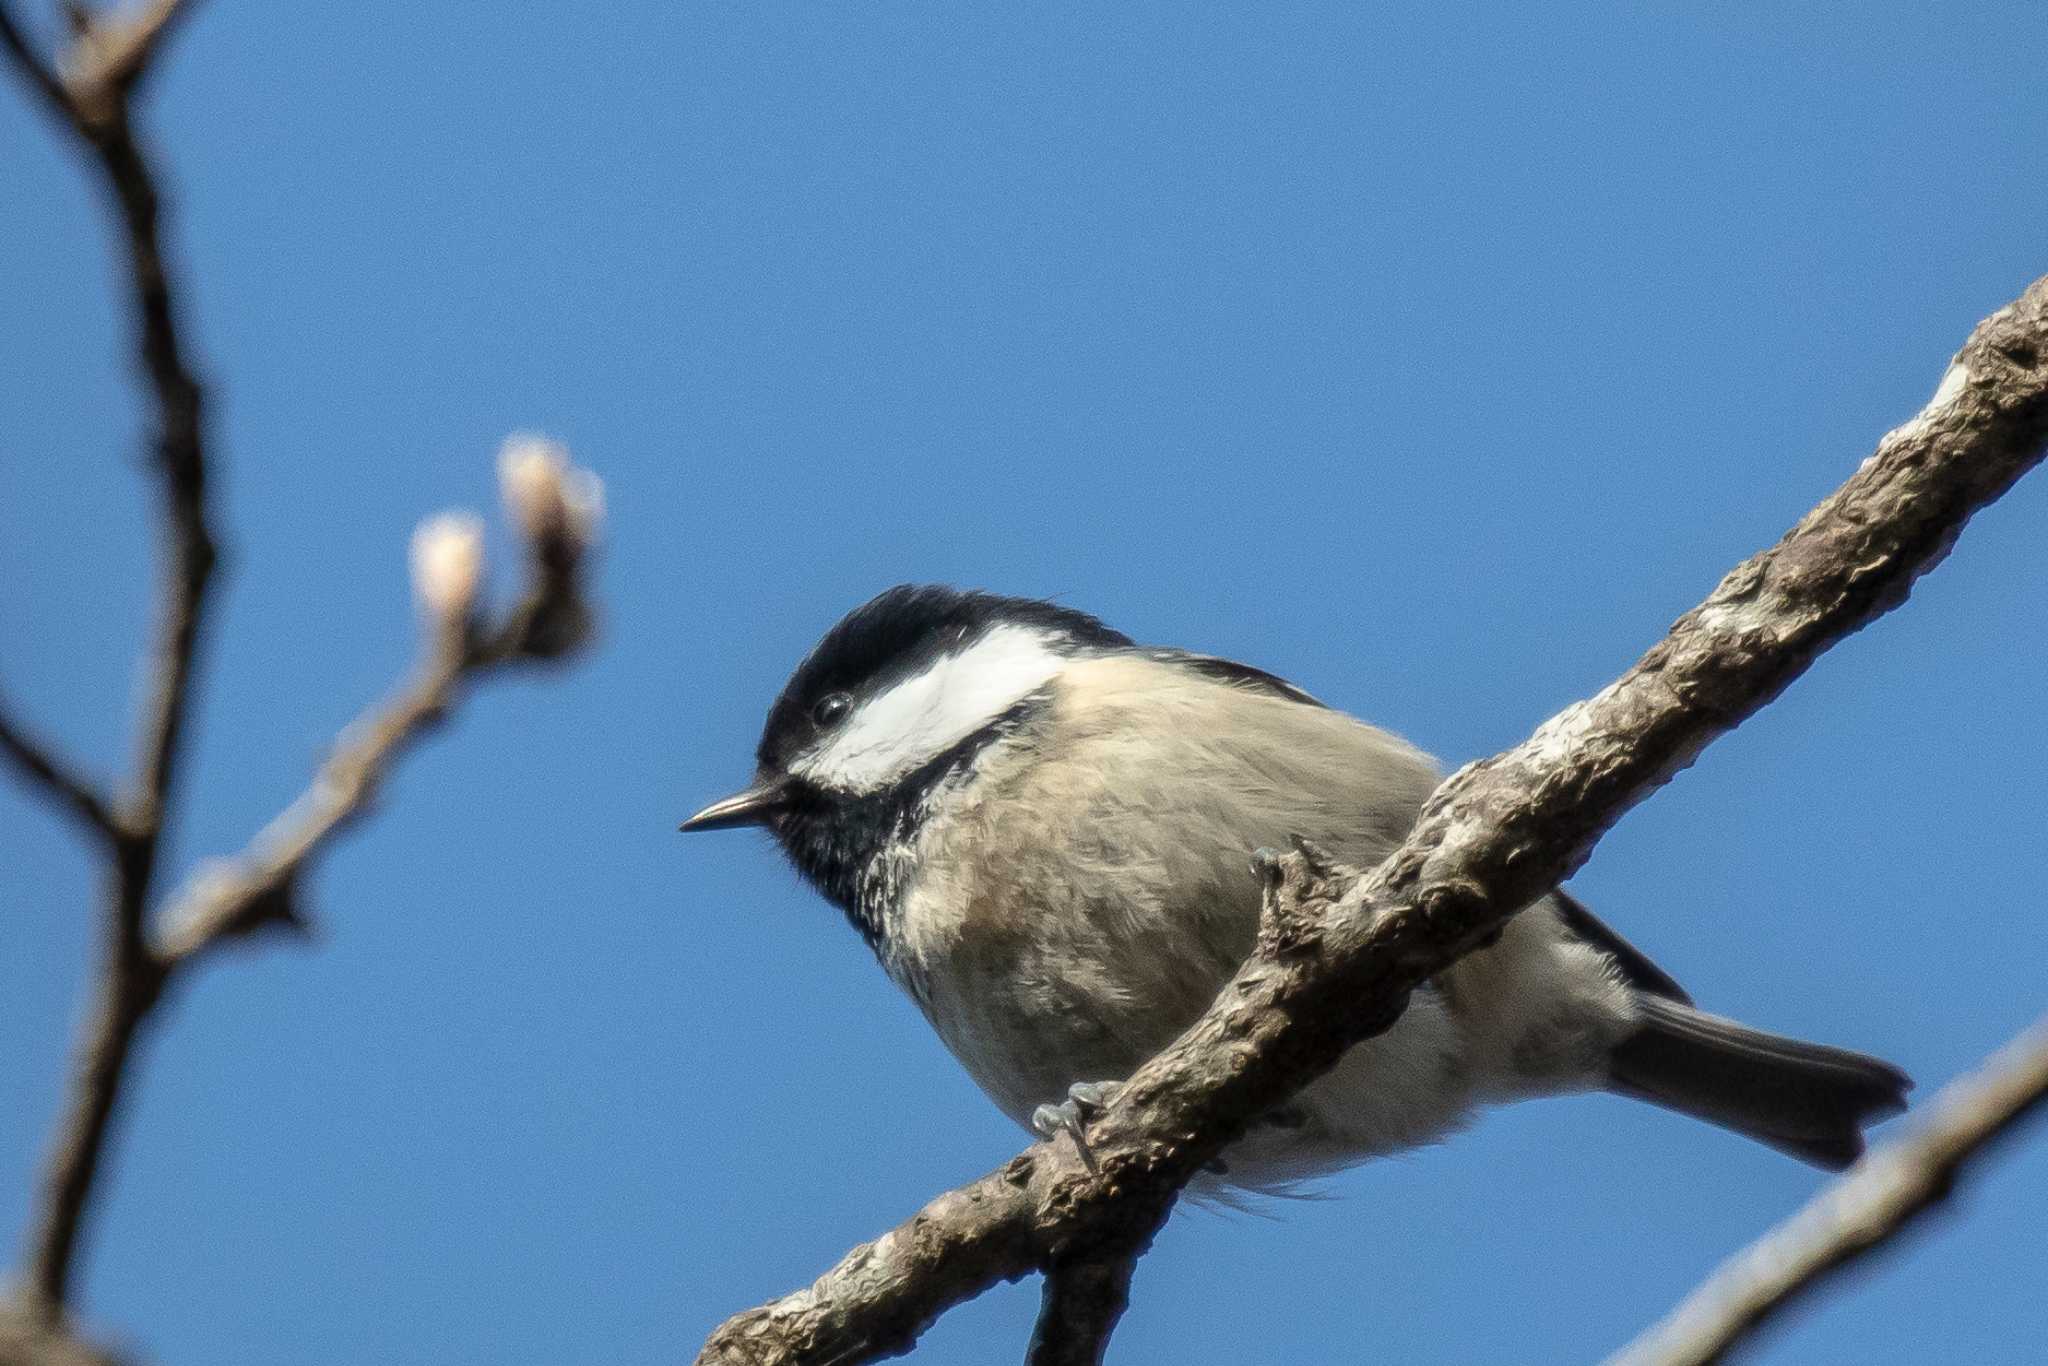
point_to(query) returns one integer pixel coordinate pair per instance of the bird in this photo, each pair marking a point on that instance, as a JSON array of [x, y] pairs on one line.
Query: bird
[[1041, 828]]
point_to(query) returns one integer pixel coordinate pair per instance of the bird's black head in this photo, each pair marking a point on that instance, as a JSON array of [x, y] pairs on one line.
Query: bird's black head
[[913, 633], [904, 690]]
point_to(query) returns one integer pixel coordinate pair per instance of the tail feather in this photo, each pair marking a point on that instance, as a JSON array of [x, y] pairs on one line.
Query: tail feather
[[1805, 1099]]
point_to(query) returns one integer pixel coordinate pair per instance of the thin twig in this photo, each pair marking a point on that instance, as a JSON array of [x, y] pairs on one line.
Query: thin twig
[[1078, 1309], [126, 987], [89, 89], [34, 70], [1338, 953], [56, 779], [235, 897], [179, 442], [1858, 1214]]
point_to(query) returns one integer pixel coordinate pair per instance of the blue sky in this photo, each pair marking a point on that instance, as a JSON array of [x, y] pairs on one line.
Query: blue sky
[[1433, 360]]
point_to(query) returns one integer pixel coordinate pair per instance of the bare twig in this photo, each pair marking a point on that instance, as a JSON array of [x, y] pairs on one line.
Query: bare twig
[[41, 79], [108, 63], [1081, 1302], [55, 779], [1338, 953], [233, 898], [89, 91], [1864, 1210], [236, 897], [125, 989], [107, 58]]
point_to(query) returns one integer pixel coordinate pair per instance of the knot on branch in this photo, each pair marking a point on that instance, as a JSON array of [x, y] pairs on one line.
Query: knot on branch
[[1447, 909], [1300, 887]]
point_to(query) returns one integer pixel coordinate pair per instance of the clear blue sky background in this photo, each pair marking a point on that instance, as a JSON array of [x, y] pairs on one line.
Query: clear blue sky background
[[1434, 361]]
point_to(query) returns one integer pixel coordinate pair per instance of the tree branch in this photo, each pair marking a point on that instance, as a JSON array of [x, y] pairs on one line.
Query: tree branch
[[107, 61], [33, 70], [233, 898], [1081, 1303], [89, 91], [56, 780], [1869, 1207], [1339, 952]]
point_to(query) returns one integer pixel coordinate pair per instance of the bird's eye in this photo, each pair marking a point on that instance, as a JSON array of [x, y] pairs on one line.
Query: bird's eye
[[831, 709]]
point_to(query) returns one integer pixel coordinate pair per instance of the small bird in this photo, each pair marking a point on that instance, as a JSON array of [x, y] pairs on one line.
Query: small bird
[[1042, 830]]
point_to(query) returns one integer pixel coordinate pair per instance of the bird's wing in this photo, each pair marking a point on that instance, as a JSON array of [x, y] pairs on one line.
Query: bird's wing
[[1636, 968], [1230, 671]]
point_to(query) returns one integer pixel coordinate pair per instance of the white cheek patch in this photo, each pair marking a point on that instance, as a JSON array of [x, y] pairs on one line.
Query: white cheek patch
[[928, 713]]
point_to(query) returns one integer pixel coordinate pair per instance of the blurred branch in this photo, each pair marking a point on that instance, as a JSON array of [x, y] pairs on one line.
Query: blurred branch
[[1873, 1204], [88, 90], [231, 898], [557, 506], [1338, 952], [55, 779], [41, 79], [29, 1340], [238, 897], [1078, 1310]]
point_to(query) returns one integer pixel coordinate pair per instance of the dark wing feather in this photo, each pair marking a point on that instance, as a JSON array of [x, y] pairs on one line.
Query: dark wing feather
[[1230, 671], [1636, 968]]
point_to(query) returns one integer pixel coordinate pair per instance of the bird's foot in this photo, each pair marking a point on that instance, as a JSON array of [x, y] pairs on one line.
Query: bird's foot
[[1085, 1100]]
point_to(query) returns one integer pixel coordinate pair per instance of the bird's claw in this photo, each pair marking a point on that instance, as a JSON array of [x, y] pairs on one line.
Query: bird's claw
[[1085, 1100]]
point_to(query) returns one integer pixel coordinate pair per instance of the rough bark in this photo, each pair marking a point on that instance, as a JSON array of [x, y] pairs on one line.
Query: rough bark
[[1082, 1302]]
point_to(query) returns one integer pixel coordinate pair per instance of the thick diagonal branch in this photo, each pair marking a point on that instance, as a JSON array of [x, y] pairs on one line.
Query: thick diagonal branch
[[1885, 1192], [1338, 952]]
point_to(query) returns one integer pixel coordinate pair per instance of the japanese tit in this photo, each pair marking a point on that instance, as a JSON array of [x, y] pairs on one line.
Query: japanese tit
[[1042, 830]]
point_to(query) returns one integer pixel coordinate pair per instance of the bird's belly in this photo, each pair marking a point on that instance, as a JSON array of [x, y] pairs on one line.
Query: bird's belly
[[1406, 1087], [1027, 1029], [1036, 978], [1028, 1019]]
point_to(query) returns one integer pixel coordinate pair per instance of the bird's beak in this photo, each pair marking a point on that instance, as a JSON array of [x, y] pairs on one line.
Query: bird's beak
[[752, 806]]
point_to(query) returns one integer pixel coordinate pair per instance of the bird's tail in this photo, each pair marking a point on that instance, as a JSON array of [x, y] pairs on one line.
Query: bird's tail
[[1801, 1098]]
